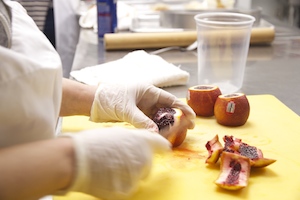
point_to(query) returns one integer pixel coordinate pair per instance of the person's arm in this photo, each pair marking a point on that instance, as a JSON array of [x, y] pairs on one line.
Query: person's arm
[[36, 169], [77, 98], [80, 162]]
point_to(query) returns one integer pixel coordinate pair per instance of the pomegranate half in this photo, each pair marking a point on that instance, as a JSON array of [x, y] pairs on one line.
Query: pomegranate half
[[202, 98], [232, 109], [172, 125]]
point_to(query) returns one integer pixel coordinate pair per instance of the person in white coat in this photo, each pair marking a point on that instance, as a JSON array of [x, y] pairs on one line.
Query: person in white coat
[[107, 163]]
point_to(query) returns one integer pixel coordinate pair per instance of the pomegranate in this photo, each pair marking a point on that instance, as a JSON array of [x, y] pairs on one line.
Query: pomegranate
[[232, 109], [202, 98], [235, 171], [172, 124]]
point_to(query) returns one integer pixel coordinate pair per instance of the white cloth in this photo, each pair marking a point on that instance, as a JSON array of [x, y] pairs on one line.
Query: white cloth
[[138, 66], [30, 83]]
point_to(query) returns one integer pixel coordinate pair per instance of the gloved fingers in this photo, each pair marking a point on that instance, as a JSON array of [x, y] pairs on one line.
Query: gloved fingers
[[147, 166], [191, 124], [187, 110], [107, 103], [168, 100], [150, 143], [156, 142], [111, 161], [139, 120]]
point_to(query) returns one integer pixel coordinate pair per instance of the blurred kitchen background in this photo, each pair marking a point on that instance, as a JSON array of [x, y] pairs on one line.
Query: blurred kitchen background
[[283, 10], [280, 17]]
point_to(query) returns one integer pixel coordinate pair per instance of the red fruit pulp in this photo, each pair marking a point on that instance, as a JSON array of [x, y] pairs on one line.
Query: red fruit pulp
[[233, 176], [164, 117]]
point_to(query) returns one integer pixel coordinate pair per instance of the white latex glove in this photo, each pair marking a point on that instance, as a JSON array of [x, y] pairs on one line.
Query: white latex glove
[[135, 104], [112, 161]]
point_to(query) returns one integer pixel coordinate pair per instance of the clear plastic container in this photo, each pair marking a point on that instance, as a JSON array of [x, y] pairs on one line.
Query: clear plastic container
[[223, 44]]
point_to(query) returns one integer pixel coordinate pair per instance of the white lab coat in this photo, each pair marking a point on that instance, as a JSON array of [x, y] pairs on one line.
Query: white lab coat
[[30, 83]]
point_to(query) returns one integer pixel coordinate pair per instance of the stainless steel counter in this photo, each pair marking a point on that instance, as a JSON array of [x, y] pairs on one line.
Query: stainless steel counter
[[273, 69]]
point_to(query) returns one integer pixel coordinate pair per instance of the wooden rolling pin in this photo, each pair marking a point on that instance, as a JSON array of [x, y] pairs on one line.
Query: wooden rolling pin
[[118, 41]]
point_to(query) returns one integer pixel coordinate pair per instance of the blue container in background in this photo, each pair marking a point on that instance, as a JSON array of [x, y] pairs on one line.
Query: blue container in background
[[107, 17]]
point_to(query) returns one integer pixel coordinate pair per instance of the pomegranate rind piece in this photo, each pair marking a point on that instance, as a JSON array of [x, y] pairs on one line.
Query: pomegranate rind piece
[[214, 148], [235, 145], [262, 162], [235, 171]]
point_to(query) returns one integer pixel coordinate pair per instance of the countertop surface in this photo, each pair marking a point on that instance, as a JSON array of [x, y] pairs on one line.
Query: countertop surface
[[271, 69]]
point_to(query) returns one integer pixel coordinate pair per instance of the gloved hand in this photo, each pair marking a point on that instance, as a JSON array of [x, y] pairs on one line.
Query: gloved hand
[[135, 104], [112, 161]]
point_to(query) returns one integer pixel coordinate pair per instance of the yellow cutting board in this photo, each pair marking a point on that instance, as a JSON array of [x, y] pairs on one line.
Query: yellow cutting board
[[183, 174]]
